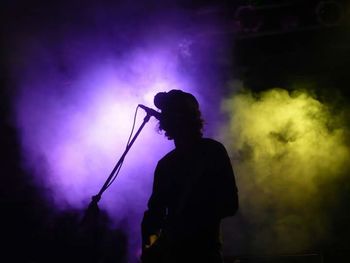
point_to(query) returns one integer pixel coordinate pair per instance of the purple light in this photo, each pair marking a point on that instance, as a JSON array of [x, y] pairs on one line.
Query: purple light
[[81, 136], [73, 136], [74, 112]]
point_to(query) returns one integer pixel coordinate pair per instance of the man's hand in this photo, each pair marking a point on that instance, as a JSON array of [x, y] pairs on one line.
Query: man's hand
[[152, 240]]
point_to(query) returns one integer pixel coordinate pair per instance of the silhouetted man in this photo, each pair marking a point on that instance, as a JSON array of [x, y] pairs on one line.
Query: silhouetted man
[[194, 188]]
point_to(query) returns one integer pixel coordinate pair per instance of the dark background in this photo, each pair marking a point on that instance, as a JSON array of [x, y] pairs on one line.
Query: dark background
[[308, 50]]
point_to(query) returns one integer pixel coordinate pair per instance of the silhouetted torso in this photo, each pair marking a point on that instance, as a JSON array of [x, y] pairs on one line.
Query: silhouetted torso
[[194, 188]]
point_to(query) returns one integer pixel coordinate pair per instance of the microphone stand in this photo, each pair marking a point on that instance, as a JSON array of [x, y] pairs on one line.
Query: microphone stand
[[90, 218]]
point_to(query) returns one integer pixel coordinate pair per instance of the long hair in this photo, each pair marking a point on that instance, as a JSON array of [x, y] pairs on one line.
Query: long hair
[[191, 122]]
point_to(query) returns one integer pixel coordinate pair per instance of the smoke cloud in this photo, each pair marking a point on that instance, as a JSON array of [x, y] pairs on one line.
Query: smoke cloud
[[79, 74], [288, 150]]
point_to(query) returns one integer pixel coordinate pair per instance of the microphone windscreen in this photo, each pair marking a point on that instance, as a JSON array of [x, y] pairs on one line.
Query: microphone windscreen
[[160, 100]]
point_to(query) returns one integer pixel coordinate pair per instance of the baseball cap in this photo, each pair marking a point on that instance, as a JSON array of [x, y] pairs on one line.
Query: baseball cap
[[176, 101]]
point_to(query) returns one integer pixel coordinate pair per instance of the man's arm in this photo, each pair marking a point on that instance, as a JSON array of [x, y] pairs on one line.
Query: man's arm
[[226, 189], [154, 216]]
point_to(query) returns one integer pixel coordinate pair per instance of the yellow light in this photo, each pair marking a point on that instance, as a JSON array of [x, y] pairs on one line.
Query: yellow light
[[284, 144]]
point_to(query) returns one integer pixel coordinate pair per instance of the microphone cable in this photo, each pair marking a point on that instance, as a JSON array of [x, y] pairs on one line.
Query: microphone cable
[[127, 144]]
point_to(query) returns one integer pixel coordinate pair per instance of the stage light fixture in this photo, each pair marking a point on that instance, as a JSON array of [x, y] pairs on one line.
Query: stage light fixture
[[329, 13], [248, 18]]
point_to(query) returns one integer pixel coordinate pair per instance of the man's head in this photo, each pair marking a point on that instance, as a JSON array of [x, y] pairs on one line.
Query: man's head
[[180, 114]]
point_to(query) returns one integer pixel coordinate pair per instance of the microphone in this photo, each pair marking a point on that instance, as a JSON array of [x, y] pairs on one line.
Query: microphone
[[150, 111]]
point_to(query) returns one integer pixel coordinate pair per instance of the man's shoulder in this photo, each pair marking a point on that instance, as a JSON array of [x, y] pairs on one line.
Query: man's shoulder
[[214, 144], [208, 145], [169, 156]]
